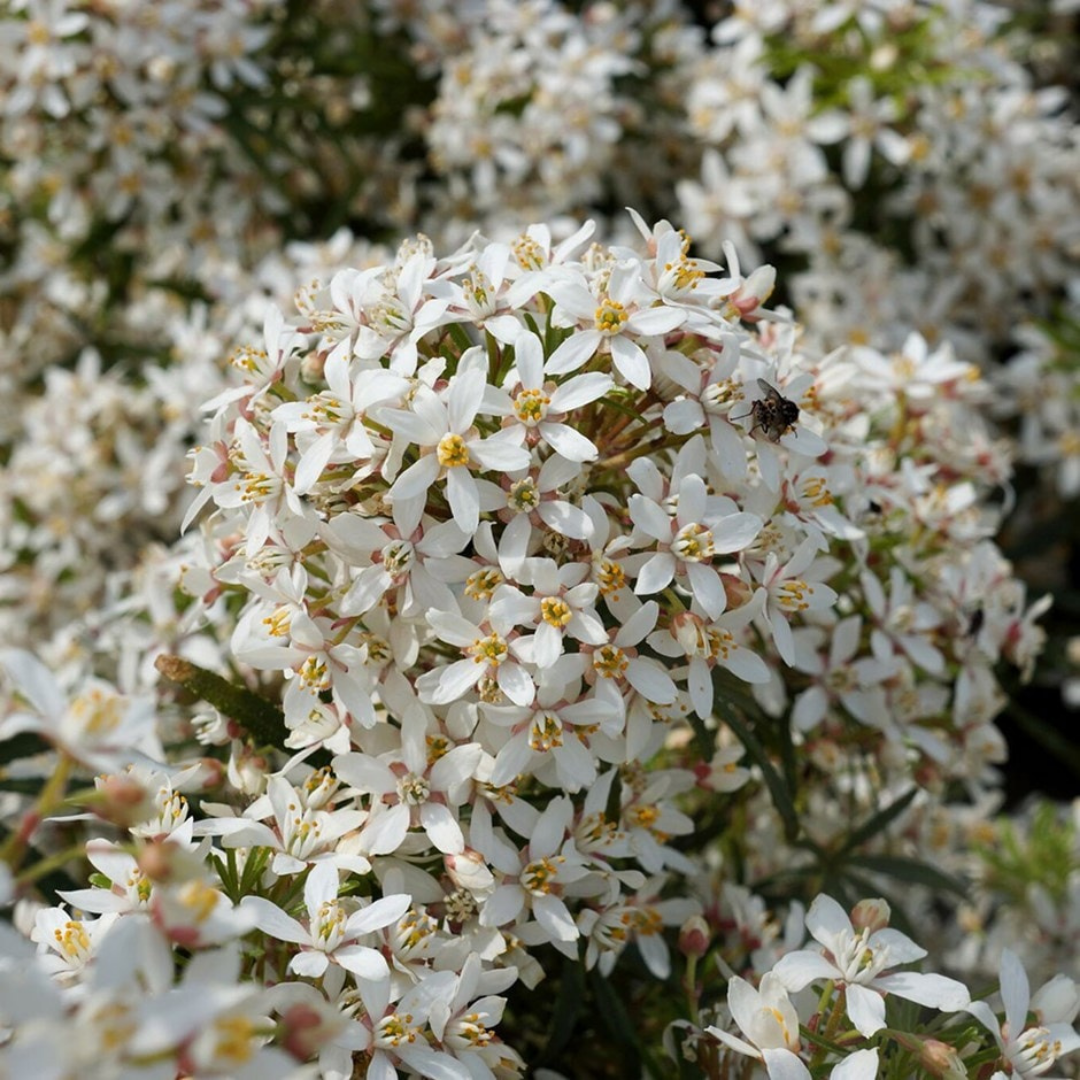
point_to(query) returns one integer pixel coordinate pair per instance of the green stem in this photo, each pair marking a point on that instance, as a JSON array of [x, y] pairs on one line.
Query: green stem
[[47, 865], [52, 795]]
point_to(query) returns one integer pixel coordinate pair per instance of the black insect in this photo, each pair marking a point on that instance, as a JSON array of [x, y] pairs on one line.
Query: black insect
[[774, 413]]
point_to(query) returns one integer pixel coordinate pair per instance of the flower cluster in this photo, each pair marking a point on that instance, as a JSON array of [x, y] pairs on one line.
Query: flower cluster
[[547, 590]]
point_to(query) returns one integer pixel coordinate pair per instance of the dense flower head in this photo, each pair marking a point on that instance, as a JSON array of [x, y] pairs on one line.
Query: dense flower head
[[549, 589]]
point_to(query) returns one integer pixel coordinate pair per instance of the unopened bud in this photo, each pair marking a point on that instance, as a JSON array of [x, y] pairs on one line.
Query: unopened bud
[[124, 801], [872, 915], [694, 937], [941, 1059], [469, 871], [305, 1032]]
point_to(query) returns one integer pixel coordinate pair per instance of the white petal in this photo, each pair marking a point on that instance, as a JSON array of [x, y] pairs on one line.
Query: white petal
[[571, 444], [443, 831], [865, 1009], [656, 574]]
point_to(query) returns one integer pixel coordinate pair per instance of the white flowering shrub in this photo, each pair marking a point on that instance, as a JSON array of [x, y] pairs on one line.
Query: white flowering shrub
[[539, 651], [529, 536]]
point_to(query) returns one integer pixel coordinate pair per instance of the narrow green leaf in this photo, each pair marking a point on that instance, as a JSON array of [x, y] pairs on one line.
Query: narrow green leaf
[[261, 719], [24, 745], [878, 823], [782, 798], [911, 870], [617, 1020]]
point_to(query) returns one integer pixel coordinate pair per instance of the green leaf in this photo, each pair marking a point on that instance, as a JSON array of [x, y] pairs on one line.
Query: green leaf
[[879, 822], [27, 744], [782, 798], [614, 1016], [910, 870], [261, 719]]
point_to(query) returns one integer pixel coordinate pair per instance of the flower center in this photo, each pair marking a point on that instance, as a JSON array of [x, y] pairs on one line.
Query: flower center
[[546, 732], [609, 662], [452, 451], [413, 790], [555, 611], [693, 543], [398, 557], [490, 650], [538, 877], [530, 406], [611, 316]]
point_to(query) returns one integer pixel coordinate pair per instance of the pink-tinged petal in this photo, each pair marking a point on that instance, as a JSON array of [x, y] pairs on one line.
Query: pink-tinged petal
[[553, 915], [651, 682], [736, 531], [309, 964], [862, 1065], [386, 831], [631, 362], [503, 905], [463, 497], [564, 440], [442, 829], [270, 919], [707, 588], [934, 991], [784, 1065], [574, 351], [798, 969], [376, 915], [416, 479], [865, 1009], [650, 518], [363, 962], [656, 574], [580, 390]]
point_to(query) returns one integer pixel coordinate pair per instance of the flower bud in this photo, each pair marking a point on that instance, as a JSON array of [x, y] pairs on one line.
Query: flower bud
[[469, 871], [941, 1059], [124, 801], [694, 937], [872, 915]]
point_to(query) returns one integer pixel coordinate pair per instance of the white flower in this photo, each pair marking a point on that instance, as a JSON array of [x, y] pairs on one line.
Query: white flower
[[860, 963], [1027, 1051], [451, 448], [413, 789], [332, 932], [615, 318]]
